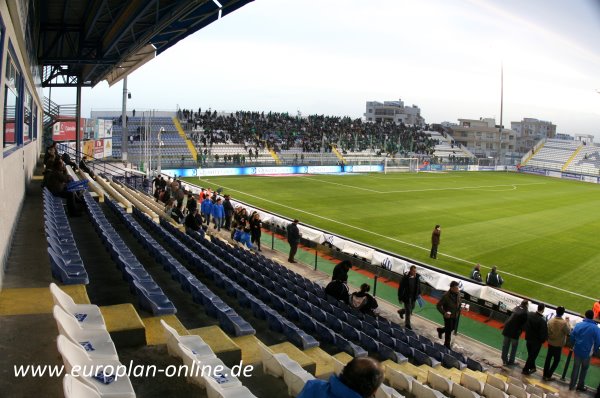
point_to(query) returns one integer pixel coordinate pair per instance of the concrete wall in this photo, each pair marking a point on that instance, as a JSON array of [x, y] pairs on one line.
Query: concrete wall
[[17, 164]]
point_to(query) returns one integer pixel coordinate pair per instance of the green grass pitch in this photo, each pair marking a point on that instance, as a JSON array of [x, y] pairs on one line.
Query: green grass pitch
[[542, 233]]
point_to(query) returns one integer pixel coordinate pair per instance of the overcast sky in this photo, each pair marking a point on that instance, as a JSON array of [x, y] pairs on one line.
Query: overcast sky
[[329, 57]]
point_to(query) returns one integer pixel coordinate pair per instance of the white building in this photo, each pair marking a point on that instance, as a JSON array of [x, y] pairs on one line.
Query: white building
[[394, 111]]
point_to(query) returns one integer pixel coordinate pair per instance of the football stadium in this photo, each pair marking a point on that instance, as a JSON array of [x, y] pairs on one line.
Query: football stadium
[[153, 250]]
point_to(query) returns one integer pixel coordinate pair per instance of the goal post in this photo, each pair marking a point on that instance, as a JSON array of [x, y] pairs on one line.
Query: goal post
[[401, 165]]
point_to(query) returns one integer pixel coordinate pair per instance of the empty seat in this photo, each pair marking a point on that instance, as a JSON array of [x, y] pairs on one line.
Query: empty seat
[[399, 380], [490, 391], [387, 392], [422, 391], [215, 389], [106, 384], [280, 365], [439, 383], [193, 343], [517, 391], [496, 382], [471, 383], [88, 315], [459, 391], [75, 388], [97, 342]]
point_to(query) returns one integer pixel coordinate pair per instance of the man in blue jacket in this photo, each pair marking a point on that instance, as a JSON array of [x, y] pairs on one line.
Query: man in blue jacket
[[218, 214], [586, 341], [360, 378]]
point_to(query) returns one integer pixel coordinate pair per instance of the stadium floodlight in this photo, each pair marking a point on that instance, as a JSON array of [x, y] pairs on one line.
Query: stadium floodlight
[[160, 145]]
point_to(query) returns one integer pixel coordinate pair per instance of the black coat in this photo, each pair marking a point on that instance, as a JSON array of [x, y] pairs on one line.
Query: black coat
[[515, 323], [340, 271], [339, 290], [228, 207], [293, 233], [536, 328], [403, 290]]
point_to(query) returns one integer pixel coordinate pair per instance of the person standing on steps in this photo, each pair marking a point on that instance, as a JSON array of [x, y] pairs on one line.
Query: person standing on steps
[[449, 307], [558, 331], [512, 331], [408, 291], [536, 333], [293, 237], [435, 241]]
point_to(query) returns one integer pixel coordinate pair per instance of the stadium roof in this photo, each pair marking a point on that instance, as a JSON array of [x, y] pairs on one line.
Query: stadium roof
[[82, 42]]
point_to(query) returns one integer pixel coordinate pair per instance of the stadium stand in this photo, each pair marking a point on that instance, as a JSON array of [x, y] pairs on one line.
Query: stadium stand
[[553, 155], [174, 150], [586, 161]]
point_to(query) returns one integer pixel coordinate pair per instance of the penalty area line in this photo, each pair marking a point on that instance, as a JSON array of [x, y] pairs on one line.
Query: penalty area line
[[400, 241]]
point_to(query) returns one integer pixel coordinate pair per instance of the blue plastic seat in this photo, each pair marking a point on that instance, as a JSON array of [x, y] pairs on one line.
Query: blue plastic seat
[[368, 343], [306, 322], [423, 359]]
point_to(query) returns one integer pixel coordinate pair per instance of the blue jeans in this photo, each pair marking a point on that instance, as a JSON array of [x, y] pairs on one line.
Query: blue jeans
[[218, 223], [577, 374], [512, 344]]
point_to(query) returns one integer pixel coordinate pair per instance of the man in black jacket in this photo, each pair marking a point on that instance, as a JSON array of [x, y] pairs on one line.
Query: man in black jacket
[[511, 332], [536, 333], [449, 307], [340, 271], [293, 237], [408, 291], [228, 207]]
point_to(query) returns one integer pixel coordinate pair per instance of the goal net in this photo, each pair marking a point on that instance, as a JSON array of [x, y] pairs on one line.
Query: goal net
[[401, 165]]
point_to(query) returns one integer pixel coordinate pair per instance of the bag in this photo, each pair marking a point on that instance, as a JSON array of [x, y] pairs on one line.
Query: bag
[[357, 302]]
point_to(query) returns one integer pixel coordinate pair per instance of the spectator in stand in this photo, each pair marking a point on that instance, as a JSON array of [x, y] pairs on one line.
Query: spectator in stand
[[242, 235], [494, 279], [173, 211], [338, 290], [192, 222], [56, 182], [363, 301], [293, 237], [191, 205], [218, 214], [435, 241], [586, 341], [255, 229], [206, 209], [360, 378], [228, 207], [449, 307], [476, 273], [536, 333], [558, 331], [596, 310], [512, 331], [408, 291], [340, 271], [156, 183]]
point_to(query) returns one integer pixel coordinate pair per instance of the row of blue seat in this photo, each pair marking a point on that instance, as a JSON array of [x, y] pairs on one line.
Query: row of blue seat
[[259, 309], [229, 320], [150, 295], [374, 334], [65, 261]]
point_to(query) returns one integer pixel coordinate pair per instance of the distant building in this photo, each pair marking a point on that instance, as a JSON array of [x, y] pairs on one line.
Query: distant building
[[394, 111], [485, 139], [530, 131]]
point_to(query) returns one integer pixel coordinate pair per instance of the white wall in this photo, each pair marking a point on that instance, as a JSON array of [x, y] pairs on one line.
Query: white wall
[[16, 168]]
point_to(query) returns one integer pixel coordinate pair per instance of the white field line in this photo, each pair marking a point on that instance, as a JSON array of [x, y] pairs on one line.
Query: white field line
[[403, 242], [513, 186]]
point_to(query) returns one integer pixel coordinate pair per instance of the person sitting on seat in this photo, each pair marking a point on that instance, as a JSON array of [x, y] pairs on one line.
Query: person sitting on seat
[[363, 301], [338, 290]]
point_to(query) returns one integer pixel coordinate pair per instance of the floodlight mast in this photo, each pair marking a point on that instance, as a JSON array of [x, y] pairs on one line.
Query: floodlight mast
[[162, 130]]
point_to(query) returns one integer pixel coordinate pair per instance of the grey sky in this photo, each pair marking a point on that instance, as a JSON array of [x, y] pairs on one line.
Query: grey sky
[[329, 57]]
